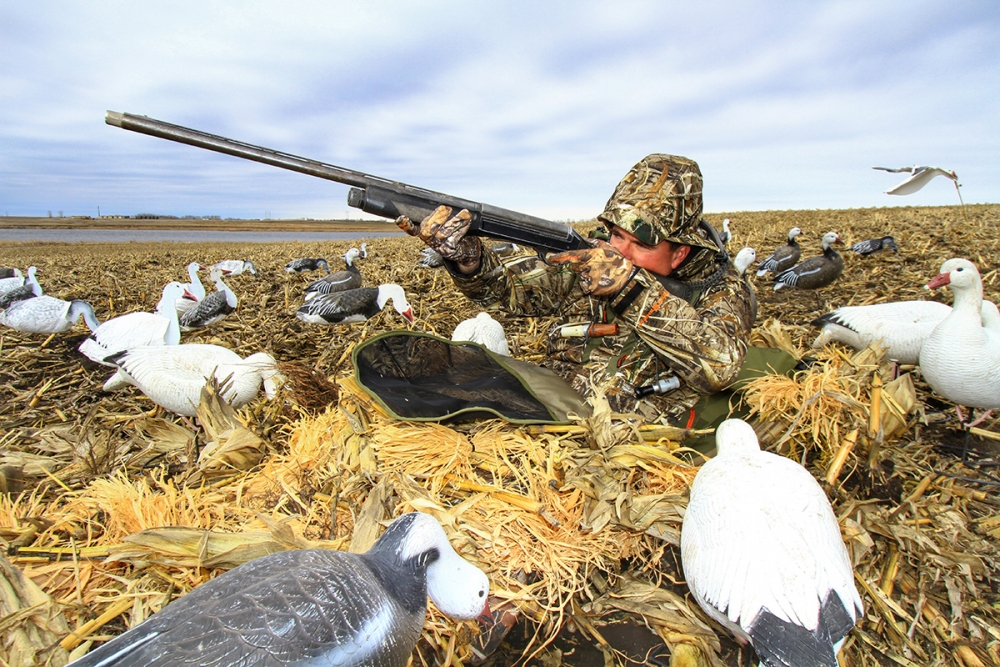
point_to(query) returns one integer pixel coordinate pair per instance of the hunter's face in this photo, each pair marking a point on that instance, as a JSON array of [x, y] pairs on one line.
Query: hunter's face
[[660, 259]]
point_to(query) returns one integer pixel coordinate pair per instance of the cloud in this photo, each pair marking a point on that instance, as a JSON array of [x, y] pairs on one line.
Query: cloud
[[539, 108]]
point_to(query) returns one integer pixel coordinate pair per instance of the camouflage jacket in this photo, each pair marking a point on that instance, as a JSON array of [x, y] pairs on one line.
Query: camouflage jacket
[[659, 335]]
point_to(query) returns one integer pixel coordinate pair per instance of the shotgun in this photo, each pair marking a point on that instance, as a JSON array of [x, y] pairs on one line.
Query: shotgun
[[373, 194]]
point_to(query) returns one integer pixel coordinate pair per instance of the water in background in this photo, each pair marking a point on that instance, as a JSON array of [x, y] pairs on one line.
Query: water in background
[[178, 236]]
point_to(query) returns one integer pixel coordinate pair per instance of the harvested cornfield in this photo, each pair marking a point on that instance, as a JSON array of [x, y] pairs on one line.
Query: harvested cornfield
[[112, 507]]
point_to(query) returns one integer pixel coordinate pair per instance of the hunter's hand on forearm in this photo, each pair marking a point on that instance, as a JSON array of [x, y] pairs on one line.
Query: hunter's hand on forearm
[[446, 233], [603, 270]]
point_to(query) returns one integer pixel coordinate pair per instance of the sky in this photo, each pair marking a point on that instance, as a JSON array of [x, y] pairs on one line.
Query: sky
[[539, 107]]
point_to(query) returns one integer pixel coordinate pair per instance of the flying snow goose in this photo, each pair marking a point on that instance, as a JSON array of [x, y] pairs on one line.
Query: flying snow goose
[[356, 305], [901, 326], [960, 359], [763, 554], [28, 290], [135, 330], [234, 267], [484, 330], [814, 272], [172, 376], [784, 257], [47, 315], [920, 176], [214, 308], [349, 278], [874, 245], [304, 264], [312, 606], [194, 290]]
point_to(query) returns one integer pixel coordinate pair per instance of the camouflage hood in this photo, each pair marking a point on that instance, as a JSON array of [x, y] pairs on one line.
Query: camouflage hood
[[660, 200]]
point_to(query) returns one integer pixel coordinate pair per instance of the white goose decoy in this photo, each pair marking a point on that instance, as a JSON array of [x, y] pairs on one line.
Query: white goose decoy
[[356, 305], [304, 264], [900, 326], [194, 289], [960, 359], [763, 554], [135, 330], [312, 607], [744, 258], [784, 257], [30, 289], [727, 234], [349, 278], [484, 330], [234, 267], [172, 376], [16, 281], [212, 309], [47, 315], [814, 272]]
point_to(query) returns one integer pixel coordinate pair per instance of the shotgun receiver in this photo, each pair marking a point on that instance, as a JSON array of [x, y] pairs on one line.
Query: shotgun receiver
[[372, 194]]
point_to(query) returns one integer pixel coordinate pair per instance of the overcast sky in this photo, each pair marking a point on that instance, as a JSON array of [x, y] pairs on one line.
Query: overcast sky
[[539, 107]]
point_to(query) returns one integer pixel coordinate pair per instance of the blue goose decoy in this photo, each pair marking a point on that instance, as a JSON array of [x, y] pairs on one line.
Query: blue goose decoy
[[312, 607], [16, 281], [304, 264], [214, 308], [763, 554], [47, 315], [349, 278], [356, 305], [814, 272], [783, 257], [28, 290], [10, 273], [874, 245]]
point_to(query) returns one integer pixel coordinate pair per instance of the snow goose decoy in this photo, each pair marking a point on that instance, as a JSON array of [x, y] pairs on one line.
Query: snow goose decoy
[[505, 249], [194, 290], [349, 278], [901, 326], [874, 245], [363, 253], [814, 272], [28, 290], [172, 376], [234, 267], [15, 281], [135, 330], [304, 264], [783, 257], [960, 359], [312, 606], [10, 273], [727, 235], [744, 258], [484, 330], [214, 308], [47, 315], [356, 305], [763, 554]]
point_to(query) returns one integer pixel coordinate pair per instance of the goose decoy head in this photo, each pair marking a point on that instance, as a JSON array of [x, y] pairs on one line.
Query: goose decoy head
[[955, 272]]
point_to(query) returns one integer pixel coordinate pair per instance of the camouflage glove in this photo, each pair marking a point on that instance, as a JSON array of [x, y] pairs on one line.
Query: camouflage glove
[[603, 270], [445, 233]]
